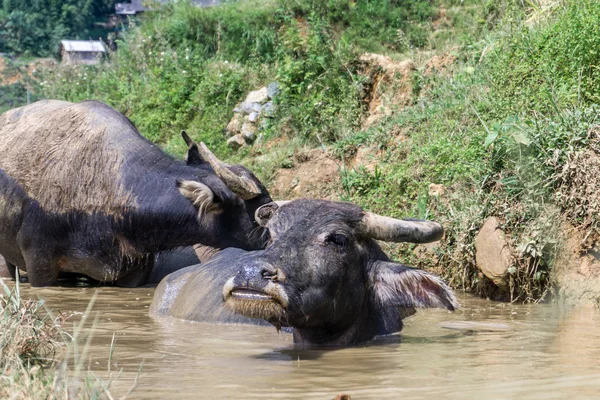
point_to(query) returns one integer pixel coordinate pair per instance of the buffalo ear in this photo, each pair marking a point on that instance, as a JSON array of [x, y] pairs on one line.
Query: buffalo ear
[[263, 214], [193, 156], [397, 285], [201, 196]]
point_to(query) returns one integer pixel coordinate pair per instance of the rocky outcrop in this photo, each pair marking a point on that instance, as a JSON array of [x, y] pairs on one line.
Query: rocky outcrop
[[250, 116], [492, 252]]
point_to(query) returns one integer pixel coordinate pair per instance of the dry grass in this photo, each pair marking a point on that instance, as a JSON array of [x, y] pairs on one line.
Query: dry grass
[[39, 359]]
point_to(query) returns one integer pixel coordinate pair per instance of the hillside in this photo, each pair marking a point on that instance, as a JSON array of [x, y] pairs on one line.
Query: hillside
[[458, 111]]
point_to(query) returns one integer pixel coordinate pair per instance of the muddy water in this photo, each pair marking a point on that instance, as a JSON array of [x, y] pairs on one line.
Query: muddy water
[[527, 352]]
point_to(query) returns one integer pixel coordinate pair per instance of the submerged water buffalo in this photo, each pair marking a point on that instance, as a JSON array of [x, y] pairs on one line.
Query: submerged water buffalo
[[323, 274], [83, 192]]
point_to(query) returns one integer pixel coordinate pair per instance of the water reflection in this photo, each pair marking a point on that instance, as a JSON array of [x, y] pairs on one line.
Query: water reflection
[[543, 352]]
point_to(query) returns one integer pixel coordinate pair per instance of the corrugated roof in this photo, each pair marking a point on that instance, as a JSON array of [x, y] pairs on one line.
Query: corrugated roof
[[83, 45]]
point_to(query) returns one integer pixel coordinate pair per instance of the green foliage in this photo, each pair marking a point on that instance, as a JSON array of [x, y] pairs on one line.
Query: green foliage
[[235, 31], [373, 25], [553, 64], [39, 358], [185, 67], [36, 27], [320, 90], [12, 96]]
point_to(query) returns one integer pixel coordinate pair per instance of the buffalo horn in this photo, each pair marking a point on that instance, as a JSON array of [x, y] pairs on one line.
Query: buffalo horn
[[396, 230], [243, 186]]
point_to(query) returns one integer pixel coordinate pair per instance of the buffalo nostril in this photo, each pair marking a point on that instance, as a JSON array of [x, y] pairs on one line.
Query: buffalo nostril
[[273, 276], [268, 274]]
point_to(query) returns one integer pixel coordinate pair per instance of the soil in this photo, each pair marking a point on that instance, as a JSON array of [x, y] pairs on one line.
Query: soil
[[315, 174], [577, 270], [388, 85], [439, 64]]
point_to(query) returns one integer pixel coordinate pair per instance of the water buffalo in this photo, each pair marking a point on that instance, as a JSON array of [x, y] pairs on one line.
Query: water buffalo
[[84, 192], [322, 274]]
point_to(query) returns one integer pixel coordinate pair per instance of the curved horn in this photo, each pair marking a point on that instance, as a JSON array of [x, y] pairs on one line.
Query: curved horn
[[187, 138], [243, 186], [397, 230]]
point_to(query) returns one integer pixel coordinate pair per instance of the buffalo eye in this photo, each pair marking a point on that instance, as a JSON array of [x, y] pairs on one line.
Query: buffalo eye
[[337, 239]]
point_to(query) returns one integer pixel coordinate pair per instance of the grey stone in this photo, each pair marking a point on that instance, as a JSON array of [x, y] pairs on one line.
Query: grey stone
[[249, 132], [235, 142], [273, 90], [268, 109], [246, 108], [257, 96], [235, 125], [253, 116]]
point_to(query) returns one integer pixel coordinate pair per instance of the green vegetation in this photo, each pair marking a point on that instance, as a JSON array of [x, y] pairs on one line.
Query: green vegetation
[[496, 125], [186, 67], [36, 27]]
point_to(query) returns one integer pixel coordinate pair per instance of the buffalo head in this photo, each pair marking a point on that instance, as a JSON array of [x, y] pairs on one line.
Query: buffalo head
[[226, 197], [324, 274]]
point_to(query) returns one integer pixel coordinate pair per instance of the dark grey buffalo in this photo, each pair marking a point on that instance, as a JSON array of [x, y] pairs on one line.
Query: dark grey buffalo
[[83, 192], [323, 274]]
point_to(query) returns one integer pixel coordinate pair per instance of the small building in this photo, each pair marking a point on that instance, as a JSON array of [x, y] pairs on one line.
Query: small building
[[137, 6], [87, 52], [132, 8]]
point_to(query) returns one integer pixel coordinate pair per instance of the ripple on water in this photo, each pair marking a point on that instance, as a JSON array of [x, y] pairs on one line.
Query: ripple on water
[[544, 353]]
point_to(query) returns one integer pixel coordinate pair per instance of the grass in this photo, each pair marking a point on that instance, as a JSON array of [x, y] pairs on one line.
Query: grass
[[39, 357]]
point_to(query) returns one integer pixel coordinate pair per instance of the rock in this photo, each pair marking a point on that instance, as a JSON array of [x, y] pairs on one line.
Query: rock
[[273, 90], [236, 141], [257, 96], [294, 182], [247, 108], [235, 125], [342, 397], [268, 109], [492, 252], [249, 132], [253, 117]]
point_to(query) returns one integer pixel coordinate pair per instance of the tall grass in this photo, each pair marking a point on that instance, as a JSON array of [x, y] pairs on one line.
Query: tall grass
[[39, 357]]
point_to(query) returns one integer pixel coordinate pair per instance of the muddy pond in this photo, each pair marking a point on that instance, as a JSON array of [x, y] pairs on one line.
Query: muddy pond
[[525, 352]]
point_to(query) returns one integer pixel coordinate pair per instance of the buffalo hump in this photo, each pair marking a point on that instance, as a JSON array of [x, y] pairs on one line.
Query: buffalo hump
[[66, 156]]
